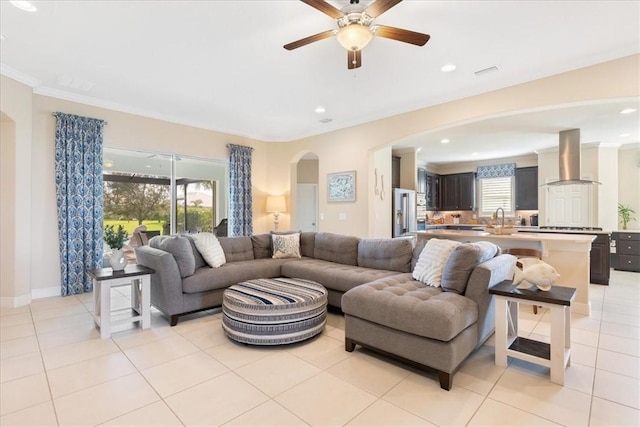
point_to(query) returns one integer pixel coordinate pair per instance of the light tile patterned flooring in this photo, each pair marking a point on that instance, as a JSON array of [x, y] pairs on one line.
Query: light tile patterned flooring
[[55, 370]]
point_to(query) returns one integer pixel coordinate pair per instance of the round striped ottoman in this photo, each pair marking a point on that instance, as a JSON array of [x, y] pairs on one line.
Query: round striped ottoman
[[274, 311]]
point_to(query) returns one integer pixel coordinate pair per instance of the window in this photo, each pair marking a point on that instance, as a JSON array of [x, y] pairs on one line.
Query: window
[[138, 188], [496, 189], [496, 193]]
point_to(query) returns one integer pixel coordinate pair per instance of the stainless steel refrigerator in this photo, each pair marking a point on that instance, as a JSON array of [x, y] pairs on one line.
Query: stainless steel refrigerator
[[404, 212]]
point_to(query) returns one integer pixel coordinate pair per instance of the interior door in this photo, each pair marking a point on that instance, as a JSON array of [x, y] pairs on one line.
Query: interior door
[[568, 205], [307, 210]]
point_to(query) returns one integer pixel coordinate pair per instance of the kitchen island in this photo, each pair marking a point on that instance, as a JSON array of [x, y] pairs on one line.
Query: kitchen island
[[567, 253]]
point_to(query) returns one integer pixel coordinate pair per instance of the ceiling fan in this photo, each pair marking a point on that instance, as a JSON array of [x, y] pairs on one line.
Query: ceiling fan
[[356, 28]]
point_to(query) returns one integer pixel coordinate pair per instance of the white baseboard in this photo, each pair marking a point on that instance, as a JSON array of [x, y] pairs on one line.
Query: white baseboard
[[13, 302], [53, 291]]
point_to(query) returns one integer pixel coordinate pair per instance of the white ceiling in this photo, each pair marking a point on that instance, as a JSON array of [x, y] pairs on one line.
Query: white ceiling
[[220, 65]]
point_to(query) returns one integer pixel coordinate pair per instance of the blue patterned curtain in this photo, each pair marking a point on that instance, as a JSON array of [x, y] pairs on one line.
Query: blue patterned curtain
[[240, 204], [496, 171], [79, 198]]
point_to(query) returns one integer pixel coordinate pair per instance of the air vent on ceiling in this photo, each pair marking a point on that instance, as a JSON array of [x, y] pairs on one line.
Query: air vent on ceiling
[[486, 71], [326, 120]]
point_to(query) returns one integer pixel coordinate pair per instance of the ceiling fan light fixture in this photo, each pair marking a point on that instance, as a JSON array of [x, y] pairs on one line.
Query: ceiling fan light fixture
[[354, 36]]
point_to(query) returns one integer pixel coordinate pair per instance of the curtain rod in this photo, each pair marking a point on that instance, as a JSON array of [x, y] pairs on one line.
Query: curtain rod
[[105, 122]]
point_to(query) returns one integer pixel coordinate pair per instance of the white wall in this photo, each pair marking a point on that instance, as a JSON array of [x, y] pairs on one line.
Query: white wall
[[609, 190]]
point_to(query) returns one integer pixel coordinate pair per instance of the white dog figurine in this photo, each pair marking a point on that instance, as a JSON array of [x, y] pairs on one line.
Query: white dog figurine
[[535, 272]]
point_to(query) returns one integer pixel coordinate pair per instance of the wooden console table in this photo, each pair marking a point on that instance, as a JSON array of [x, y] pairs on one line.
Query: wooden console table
[[556, 355]]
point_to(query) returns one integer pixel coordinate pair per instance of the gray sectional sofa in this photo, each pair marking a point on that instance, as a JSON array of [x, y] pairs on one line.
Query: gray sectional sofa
[[337, 262], [421, 324]]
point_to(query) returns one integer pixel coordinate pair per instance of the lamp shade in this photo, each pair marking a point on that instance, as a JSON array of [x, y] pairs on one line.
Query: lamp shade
[[276, 204], [354, 36]]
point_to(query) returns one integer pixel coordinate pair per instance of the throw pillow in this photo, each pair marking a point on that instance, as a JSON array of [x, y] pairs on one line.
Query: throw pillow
[[286, 245], [432, 260], [461, 263], [180, 248], [210, 249], [200, 262]]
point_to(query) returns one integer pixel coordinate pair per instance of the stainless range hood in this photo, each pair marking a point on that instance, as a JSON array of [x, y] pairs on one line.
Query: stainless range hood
[[570, 162]]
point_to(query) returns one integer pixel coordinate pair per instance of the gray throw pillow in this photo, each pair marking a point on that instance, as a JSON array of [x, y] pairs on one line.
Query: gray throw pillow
[[200, 262], [181, 250], [461, 263]]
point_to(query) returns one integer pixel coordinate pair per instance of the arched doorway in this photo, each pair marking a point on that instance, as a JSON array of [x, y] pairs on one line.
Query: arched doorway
[[304, 203]]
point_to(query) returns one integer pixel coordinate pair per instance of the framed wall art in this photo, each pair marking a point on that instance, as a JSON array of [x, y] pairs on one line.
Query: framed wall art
[[341, 187]]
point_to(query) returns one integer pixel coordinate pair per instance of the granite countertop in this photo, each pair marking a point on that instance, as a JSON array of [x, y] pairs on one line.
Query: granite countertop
[[576, 237]]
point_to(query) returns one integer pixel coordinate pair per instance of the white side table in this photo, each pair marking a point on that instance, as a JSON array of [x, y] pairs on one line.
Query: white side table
[[556, 355], [139, 277]]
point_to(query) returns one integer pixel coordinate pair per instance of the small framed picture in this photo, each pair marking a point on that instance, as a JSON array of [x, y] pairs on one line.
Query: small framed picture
[[341, 187]]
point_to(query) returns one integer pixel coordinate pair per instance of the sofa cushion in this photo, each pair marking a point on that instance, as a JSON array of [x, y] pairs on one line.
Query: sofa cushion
[[385, 254], [181, 250], [336, 248], [432, 260], [307, 243], [237, 248], [200, 262], [404, 304], [261, 245], [338, 277], [461, 263], [207, 279], [210, 248]]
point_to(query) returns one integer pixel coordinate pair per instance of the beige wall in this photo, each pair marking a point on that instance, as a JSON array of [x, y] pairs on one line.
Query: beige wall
[[307, 171], [629, 182], [16, 223], [274, 164]]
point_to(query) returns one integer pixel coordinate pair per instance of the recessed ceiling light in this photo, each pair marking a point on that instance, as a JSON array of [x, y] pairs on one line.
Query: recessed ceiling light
[[419, 149], [475, 153], [24, 5], [108, 163], [628, 110], [444, 141], [320, 109], [147, 166], [3, 36], [624, 135], [448, 68]]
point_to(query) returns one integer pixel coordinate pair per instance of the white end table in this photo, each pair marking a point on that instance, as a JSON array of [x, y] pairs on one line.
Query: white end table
[[556, 355], [139, 277]]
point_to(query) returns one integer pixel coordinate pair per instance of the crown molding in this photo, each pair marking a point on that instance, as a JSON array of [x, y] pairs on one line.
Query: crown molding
[[23, 78]]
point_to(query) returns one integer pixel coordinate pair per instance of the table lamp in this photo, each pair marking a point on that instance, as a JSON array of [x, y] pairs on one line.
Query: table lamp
[[276, 205]]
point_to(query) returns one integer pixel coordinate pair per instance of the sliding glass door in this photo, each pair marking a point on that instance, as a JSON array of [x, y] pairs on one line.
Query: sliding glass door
[[144, 188]]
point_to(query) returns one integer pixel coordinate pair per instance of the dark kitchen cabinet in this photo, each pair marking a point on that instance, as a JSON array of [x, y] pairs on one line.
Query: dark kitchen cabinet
[[458, 192], [627, 255], [433, 191], [600, 262], [395, 172], [527, 188]]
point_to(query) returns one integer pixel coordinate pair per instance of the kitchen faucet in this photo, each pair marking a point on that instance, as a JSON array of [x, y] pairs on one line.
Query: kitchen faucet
[[500, 209]]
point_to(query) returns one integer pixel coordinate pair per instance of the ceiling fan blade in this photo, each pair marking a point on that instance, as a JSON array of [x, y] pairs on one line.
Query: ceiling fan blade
[[401, 35], [305, 41], [354, 59], [379, 7], [325, 8]]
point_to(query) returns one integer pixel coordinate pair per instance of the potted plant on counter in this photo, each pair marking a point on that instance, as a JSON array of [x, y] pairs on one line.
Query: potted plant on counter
[[115, 240], [625, 212]]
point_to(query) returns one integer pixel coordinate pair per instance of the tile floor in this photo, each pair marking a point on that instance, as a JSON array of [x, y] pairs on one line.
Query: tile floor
[[55, 370]]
